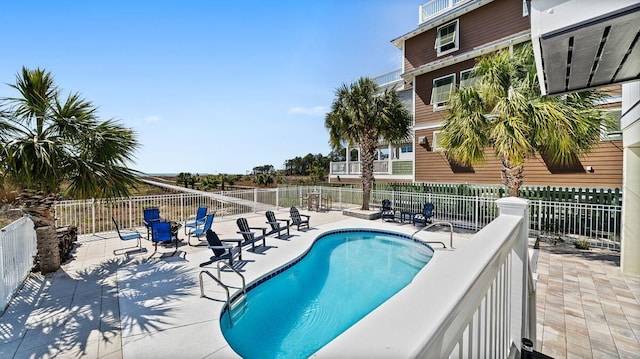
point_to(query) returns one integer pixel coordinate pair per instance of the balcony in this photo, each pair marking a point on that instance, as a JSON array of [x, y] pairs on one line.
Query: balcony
[[389, 79], [385, 167], [433, 8]]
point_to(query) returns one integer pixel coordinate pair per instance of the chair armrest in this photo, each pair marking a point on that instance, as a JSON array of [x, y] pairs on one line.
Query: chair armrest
[[305, 215], [234, 240], [277, 224], [264, 230], [284, 220], [128, 231], [148, 223], [224, 246], [249, 233]]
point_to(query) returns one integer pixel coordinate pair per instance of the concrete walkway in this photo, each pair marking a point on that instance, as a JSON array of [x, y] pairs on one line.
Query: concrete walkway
[[137, 306]]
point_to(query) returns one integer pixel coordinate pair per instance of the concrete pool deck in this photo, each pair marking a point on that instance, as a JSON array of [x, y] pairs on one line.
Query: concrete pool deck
[[104, 306]]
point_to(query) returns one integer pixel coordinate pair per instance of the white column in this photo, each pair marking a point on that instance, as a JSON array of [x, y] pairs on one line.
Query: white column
[[389, 169], [630, 124], [347, 153]]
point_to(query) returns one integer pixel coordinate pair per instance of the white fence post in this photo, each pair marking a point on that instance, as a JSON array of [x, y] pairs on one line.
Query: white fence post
[[514, 206], [255, 200], [93, 215]]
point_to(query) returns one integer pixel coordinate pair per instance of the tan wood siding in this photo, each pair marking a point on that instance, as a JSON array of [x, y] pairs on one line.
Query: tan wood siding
[[488, 23], [424, 114], [605, 159]]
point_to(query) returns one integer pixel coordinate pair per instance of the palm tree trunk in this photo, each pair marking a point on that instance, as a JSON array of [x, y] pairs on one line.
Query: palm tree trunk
[[513, 177], [40, 208], [367, 170]]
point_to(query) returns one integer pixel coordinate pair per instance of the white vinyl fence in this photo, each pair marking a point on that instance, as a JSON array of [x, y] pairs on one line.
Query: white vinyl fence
[[598, 224], [17, 249]]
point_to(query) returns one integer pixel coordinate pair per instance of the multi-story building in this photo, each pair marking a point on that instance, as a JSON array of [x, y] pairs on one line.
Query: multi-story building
[[437, 57]]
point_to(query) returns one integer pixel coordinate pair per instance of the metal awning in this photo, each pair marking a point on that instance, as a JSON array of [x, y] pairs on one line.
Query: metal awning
[[595, 52]]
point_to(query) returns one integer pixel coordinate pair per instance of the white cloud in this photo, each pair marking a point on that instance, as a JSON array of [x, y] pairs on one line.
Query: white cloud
[[152, 119], [309, 111]]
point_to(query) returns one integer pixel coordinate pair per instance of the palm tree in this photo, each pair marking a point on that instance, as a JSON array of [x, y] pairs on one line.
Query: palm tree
[[361, 116], [228, 179], [47, 141], [504, 110]]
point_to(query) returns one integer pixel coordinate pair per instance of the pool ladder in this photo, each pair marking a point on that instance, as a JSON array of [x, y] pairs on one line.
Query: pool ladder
[[441, 223], [238, 302]]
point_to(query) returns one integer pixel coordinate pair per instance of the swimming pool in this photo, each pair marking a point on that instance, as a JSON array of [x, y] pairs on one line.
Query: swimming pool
[[345, 275]]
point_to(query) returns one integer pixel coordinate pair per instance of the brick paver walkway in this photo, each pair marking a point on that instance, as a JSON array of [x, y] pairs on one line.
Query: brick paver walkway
[[586, 307]]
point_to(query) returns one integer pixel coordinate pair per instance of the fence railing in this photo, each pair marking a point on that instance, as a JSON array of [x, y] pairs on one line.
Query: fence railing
[[493, 309], [94, 216], [597, 223], [17, 249]]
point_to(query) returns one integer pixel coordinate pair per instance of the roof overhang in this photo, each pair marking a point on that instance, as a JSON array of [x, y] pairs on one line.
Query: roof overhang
[[438, 20], [480, 51], [585, 44]]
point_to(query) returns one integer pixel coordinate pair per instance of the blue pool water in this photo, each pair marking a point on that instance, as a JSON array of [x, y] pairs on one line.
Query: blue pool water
[[342, 278]]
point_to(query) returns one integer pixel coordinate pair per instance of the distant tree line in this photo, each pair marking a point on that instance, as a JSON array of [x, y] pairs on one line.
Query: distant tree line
[[207, 182], [314, 167]]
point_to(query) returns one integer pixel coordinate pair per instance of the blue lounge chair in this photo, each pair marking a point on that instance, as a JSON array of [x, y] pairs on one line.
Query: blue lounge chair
[[127, 235], [296, 218], [202, 231], [201, 212], [151, 215], [386, 211], [161, 233], [425, 216], [277, 225], [250, 236], [221, 251]]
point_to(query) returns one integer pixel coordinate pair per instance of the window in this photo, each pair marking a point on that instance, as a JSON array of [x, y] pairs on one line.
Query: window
[[436, 142], [447, 38], [383, 154], [610, 128], [406, 149], [465, 78], [442, 88]]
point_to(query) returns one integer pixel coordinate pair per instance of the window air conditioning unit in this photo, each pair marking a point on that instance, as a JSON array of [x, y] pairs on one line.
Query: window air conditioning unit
[[422, 140]]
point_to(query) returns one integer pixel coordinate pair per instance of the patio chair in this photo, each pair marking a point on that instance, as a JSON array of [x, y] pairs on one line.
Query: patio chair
[[127, 235], [201, 232], [296, 218], [221, 251], [386, 211], [425, 216], [151, 215], [201, 212], [161, 233], [277, 225], [249, 236]]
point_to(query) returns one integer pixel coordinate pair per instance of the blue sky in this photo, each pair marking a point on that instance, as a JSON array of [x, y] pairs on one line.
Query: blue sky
[[208, 86]]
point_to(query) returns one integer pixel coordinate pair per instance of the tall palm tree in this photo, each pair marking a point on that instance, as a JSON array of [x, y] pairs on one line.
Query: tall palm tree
[[47, 141], [361, 116], [505, 110]]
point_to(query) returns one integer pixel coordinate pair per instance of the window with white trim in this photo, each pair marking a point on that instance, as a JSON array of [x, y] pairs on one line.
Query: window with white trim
[[435, 144], [442, 89], [610, 129], [447, 38], [465, 78]]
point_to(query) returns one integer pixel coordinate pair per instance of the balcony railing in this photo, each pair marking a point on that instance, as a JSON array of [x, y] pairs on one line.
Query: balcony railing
[[388, 78], [398, 167], [436, 7]]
